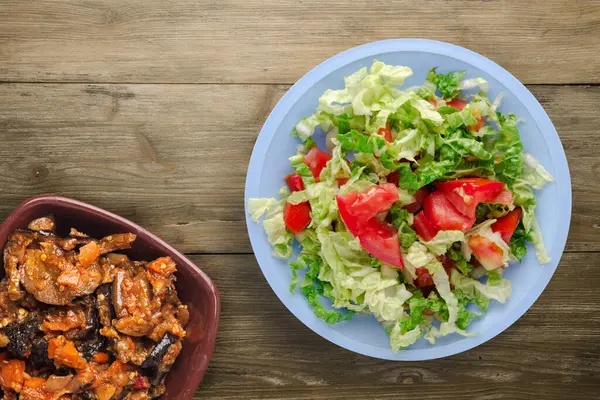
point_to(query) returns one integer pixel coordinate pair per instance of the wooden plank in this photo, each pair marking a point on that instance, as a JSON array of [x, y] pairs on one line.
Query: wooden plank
[[265, 41], [173, 157], [264, 352]]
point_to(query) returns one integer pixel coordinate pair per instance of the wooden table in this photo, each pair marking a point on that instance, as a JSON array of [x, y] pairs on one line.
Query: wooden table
[[150, 109]]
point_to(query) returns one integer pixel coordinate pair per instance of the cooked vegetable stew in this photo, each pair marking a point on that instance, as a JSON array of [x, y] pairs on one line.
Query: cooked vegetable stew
[[80, 321]]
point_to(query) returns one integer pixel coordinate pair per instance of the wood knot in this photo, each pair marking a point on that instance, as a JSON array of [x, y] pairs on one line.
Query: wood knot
[[39, 172], [409, 377], [111, 17]]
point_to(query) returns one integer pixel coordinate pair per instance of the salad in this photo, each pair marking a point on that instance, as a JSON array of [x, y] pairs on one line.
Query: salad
[[413, 209]]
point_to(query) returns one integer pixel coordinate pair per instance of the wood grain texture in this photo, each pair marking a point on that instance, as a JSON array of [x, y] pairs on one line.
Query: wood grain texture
[[150, 109], [173, 157], [264, 352], [266, 41]]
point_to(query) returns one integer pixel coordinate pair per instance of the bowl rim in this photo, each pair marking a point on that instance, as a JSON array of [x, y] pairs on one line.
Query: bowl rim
[[511, 84], [213, 297]]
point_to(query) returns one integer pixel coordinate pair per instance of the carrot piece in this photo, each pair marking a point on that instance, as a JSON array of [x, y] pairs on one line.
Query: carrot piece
[[69, 277], [13, 374], [88, 254], [163, 266], [105, 392], [63, 352], [35, 382], [100, 358]]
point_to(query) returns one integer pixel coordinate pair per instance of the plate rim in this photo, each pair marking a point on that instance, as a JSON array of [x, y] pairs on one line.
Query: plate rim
[[507, 80]]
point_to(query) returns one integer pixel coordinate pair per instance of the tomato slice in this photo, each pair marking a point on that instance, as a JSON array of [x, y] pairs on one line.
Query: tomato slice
[[296, 216], [457, 103], [419, 197], [359, 213], [386, 133], [342, 181], [380, 239], [357, 208], [447, 263], [477, 125], [316, 160], [443, 215], [504, 197], [424, 278], [506, 225], [486, 252], [394, 177], [423, 227], [294, 182], [466, 193]]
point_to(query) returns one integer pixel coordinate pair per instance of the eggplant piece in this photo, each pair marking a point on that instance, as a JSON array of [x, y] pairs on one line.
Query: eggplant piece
[[20, 335], [39, 353], [87, 305], [91, 346], [43, 224], [88, 340], [106, 312], [156, 392], [151, 366]]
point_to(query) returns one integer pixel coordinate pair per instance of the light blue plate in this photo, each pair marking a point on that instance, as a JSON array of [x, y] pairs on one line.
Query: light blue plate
[[269, 164]]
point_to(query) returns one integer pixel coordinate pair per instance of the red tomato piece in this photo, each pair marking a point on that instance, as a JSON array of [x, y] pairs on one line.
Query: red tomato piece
[[296, 216], [386, 133], [447, 263], [316, 160], [477, 125], [342, 181], [457, 103], [504, 197], [486, 252], [380, 239], [357, 208], [294, 182], [344, 203], [466, 193], [424, 278], [443, 215], [141, 382], [423, 227], [394, 177], [419, 197], [506, 225]]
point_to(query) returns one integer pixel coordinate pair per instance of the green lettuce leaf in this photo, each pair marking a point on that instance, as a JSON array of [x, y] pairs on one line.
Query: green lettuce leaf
[[534, 174], [399, 340], [473, 83], [448, 84], [402, 219], [518, 242], [277, 234], [443, 240], [537, 240], [460, 262], [331, 316], [509, 150], [356, 284], [499, 291]]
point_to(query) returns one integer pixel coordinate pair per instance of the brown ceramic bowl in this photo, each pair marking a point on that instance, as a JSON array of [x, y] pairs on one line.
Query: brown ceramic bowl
[[193, 286]]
